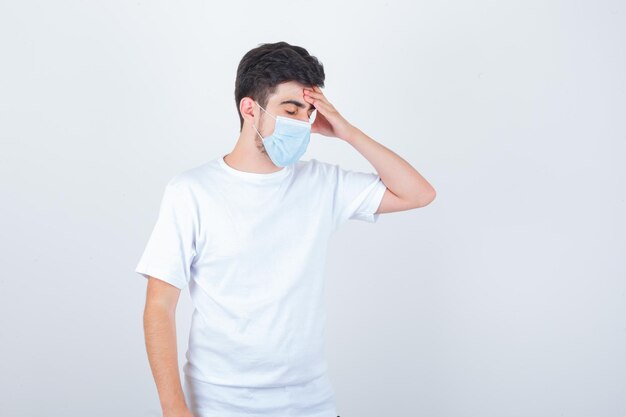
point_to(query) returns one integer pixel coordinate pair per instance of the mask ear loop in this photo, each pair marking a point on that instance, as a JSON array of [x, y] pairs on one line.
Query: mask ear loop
[[261, 136]]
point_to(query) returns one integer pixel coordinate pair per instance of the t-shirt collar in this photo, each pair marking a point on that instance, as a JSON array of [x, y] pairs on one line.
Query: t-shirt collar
[[254, 176]]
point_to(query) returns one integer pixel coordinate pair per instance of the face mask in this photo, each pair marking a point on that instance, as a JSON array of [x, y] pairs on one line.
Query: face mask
[[289, 140]]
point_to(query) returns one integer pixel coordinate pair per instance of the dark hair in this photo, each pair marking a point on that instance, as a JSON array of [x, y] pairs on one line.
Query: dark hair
[[261, 69]]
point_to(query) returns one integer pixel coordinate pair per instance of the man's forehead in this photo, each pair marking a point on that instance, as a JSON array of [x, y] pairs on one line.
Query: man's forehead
[[289, 89]]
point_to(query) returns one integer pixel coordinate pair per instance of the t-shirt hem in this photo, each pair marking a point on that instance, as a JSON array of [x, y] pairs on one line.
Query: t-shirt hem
[[376, 190], [147, 271], [369, 214], [223, 382]]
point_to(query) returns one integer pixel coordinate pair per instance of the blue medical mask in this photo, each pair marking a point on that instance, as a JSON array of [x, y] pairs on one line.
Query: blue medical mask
[[289, 140]]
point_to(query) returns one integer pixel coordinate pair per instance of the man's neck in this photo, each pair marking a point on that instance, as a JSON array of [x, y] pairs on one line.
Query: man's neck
[[249, 158]]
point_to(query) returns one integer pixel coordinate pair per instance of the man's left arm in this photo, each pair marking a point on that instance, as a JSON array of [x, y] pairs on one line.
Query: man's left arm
[[406, 188]]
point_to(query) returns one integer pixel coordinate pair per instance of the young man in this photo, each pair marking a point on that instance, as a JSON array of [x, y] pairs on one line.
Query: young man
[[248, 233]]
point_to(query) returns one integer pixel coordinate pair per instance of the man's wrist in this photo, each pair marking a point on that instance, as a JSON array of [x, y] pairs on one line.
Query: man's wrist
[[175, 410], [352, 134]]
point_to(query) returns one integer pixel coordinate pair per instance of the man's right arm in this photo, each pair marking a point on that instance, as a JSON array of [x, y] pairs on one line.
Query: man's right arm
[[159, 321]]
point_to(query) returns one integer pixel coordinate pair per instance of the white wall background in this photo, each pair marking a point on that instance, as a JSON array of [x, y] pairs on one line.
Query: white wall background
[[504, 297]]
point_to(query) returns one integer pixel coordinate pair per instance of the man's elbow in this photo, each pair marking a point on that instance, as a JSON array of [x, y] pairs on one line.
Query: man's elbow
[[425, 198]]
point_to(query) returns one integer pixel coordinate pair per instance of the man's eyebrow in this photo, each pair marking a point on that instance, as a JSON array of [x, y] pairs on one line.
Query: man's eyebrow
[[297, 103]]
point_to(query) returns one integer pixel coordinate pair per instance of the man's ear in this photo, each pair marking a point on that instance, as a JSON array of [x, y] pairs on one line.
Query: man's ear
[[247, 109]]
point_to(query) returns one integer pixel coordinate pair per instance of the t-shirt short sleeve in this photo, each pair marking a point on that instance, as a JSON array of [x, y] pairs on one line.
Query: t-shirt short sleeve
[[357, 196], [170, 250]]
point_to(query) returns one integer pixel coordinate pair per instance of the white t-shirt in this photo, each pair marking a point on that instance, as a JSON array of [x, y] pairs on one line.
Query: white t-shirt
[[252, 249]]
